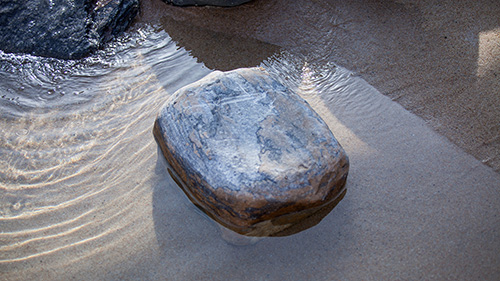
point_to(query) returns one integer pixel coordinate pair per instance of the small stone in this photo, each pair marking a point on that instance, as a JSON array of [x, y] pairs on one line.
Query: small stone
[[222, 3], [252, 154]]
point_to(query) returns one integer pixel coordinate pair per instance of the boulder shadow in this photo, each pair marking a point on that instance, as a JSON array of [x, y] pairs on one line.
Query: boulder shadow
[[218, 50]]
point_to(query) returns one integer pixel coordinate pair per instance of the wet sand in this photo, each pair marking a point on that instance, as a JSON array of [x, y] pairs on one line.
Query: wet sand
[[416, 201], [417, 207], [438, 59]]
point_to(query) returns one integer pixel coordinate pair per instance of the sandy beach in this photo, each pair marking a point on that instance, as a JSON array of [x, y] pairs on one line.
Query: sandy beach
[[409, 88]]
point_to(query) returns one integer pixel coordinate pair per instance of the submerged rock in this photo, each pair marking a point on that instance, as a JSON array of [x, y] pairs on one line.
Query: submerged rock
[[252, 154], [65, 29], [223, 3]]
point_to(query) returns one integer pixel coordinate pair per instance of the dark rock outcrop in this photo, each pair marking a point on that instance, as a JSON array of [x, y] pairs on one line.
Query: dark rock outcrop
[[66, 29], [250, 153], [222, 3]]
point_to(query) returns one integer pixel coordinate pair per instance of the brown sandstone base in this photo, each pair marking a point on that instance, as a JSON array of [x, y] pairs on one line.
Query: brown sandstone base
[[305, 219]]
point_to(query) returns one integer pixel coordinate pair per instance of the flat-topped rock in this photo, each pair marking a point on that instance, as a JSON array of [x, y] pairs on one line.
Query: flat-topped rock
[[222, 3], [250, 153]]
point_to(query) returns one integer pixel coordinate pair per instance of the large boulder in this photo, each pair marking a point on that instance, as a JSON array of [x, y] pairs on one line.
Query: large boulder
[[223, 3], [66, 29], [250, 153]]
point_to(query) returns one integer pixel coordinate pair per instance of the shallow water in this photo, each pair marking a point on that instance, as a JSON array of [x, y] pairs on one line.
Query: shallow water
[[85, 193], [76, 144]]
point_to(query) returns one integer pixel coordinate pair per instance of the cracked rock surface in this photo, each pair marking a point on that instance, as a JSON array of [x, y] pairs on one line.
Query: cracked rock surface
[[250, 153]]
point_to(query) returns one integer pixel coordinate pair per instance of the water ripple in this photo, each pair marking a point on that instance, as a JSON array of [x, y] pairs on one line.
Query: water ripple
[[312, 76], [74, 136]]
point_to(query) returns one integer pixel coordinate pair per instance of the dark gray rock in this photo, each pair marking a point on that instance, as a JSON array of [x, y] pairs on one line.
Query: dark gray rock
[[222, 3], [66, 29], [250, 153]]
